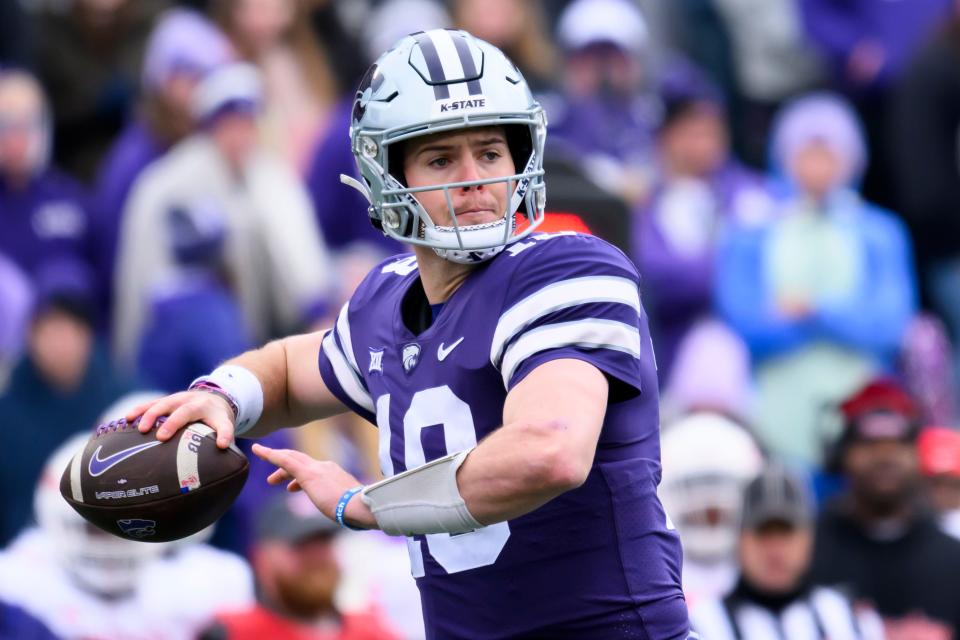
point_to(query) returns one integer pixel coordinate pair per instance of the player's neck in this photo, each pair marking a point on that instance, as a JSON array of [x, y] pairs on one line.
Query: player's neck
[[440, 278]]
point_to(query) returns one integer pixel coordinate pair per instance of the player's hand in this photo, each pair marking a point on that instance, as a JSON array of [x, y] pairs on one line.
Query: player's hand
[[184, 408], [322, 480]]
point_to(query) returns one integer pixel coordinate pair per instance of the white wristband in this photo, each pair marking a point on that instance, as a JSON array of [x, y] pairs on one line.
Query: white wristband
[[245, 389]]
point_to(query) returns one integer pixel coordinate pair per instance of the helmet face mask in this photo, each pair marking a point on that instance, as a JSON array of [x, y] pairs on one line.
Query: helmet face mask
[[436, 82]]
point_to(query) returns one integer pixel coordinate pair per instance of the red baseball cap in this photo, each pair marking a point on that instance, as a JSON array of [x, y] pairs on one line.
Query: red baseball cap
[[881, 410]]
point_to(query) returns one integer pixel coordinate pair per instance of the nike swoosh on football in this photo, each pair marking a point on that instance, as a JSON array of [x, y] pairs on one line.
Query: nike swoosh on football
[[98, 466], [442, 352]]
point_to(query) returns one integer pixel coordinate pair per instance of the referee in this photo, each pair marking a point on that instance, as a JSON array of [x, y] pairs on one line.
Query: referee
[[774, 598]]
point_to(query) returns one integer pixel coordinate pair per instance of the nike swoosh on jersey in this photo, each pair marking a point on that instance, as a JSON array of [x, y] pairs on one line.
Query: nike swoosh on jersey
[[98, 466], [442, 352]]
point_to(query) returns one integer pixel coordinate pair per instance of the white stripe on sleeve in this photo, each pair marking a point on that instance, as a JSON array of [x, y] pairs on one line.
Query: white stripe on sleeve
[[346, 376], [598, 334], [561, 295], [343, 331]]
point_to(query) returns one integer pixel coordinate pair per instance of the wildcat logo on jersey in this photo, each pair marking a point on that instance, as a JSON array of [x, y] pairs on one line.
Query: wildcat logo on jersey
[[410, 356], [136, 528]]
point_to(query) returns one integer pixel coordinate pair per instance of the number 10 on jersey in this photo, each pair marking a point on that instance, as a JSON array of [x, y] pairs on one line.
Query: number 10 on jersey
[[430, 407]]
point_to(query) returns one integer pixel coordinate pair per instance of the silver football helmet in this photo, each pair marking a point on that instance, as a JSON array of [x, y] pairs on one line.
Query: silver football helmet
[[438, 81]]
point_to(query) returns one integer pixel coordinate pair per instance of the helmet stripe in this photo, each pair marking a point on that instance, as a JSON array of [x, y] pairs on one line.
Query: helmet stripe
[[466, 61], [434, 67]]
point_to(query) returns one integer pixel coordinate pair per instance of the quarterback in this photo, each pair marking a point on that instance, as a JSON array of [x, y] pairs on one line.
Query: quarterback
[[510, 374]]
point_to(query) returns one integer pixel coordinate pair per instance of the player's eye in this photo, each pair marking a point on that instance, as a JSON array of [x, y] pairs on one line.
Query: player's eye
[[439, 162], [491, 155]]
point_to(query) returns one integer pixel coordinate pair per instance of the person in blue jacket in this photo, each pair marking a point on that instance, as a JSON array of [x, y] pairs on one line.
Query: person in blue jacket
[[823, 291]]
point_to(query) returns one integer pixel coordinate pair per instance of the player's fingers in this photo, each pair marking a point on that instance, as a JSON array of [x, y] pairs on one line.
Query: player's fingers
[[139, 410], [278, 476], [159, 408], [186, 414], [286, 459], [294, 486], [179, 418]]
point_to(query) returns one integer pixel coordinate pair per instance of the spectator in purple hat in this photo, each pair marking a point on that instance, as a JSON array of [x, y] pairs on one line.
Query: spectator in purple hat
[[62, 383], [274, 253], [823, 292], [195, 321], [606, 114], [699, 188], [183, 47], [43, 212]]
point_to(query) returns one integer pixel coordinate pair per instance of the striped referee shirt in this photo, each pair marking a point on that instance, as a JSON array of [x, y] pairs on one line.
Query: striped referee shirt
[[820, 613]]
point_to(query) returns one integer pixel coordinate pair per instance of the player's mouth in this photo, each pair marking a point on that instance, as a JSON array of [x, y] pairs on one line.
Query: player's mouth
[[477, 215]]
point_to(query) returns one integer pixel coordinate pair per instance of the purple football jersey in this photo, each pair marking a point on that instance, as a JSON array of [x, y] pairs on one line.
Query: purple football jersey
[[600, 561]]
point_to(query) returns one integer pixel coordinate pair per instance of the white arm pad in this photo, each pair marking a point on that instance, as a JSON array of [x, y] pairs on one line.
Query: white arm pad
[[422, 500]]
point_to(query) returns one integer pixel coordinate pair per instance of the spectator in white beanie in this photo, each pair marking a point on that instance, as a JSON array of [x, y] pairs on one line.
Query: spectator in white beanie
[[274, 254]]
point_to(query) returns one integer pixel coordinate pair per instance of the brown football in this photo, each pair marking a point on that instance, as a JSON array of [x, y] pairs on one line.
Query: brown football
[[134, 486]]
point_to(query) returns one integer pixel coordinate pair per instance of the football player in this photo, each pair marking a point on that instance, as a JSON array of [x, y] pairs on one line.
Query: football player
[[510, 373]]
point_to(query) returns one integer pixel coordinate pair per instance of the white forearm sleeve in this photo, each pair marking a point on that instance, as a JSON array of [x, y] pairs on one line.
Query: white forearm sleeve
[[422, 500]]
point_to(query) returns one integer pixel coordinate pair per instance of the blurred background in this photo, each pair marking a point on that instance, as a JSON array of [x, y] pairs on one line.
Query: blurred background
[[785, 174]]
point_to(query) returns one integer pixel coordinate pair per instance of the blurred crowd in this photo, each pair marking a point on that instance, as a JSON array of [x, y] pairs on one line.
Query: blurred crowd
[[785, 174]]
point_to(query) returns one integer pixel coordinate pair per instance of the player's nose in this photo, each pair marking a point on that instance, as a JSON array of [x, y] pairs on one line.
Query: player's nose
[[469, 170]]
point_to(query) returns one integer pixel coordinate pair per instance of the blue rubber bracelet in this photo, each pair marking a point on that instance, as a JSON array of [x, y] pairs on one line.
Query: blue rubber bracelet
[[342, 506]]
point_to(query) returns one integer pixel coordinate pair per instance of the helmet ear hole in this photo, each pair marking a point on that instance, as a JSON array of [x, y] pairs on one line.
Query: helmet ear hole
[[521, 146], [395, 161]]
